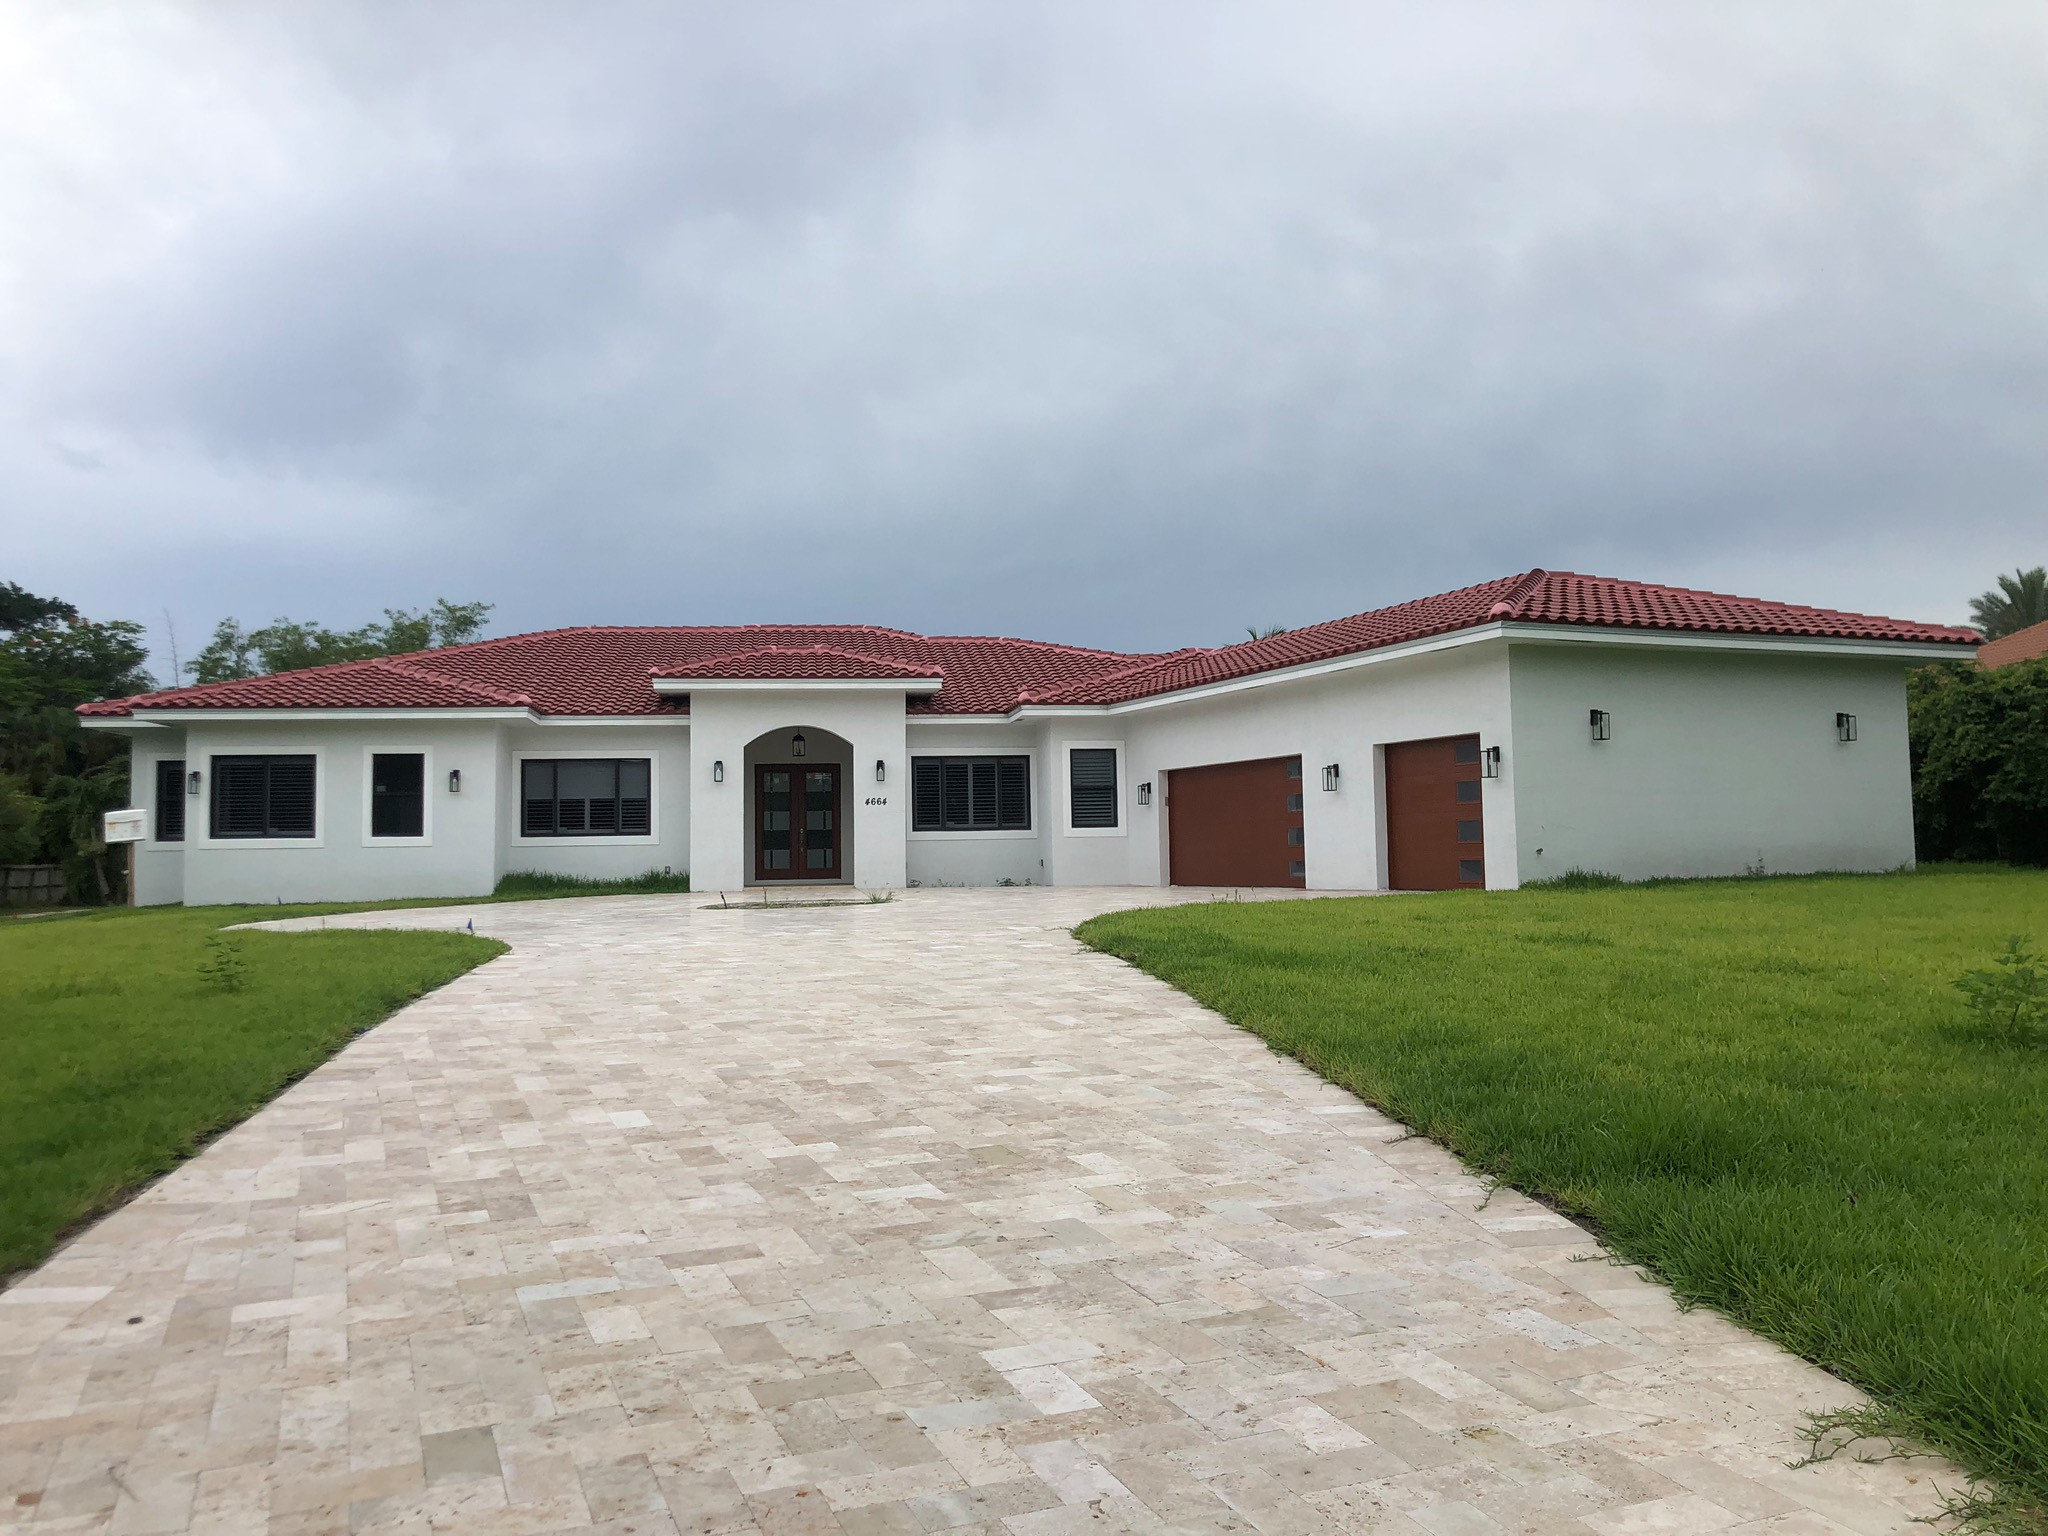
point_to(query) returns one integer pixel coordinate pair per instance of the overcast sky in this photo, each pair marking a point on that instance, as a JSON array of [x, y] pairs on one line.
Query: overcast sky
[[1127, 324]]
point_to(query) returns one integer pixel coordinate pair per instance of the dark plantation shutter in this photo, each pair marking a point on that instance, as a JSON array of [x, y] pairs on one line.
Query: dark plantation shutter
[[593, 796], [970, 794], [636, 814], [983, 812], [239, 797], [1092, 785], [959, 792], [291, 797], [927, 794], [1013, 793], [263, 796], [170, 800], [536, 798]]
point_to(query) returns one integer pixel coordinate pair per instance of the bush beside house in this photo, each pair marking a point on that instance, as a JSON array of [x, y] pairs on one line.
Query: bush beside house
[[1980, 761]]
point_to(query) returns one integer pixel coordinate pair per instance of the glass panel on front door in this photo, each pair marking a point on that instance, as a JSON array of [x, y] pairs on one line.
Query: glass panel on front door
[[774, 801], [821, 846]]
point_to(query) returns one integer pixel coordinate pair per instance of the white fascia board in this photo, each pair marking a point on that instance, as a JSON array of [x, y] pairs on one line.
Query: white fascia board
[[989, 719], [116, 723], [618, 720], [1697, 640], [244, 716], [797, 684]]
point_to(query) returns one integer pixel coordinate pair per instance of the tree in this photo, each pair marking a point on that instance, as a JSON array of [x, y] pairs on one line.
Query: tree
[[2020, 600], [1265, 631], [1980, 761], [286, 645], [57, 777]]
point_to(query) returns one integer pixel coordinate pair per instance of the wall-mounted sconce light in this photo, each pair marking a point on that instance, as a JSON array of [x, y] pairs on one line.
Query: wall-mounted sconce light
[[718, 771], [1330, 775], [881, 771], [797, 744], [1145, 793], [1602, 723], [454, 781], [1489, 763], [1845, 727], [192, 782]]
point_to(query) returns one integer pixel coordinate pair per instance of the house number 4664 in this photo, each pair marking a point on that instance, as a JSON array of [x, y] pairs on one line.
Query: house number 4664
[[876, 800]]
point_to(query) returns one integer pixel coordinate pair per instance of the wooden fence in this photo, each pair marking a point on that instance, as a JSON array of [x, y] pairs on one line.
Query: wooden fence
[[31, 885]]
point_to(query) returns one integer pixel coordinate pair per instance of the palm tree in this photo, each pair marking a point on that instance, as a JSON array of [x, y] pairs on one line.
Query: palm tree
[[2021, 600]]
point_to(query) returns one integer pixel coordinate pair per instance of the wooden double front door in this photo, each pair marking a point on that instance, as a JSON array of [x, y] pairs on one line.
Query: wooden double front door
[[797, 827]]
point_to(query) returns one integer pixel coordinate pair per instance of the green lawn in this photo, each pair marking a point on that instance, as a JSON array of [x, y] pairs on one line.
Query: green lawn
[[1759, 1089], [118, 1058]]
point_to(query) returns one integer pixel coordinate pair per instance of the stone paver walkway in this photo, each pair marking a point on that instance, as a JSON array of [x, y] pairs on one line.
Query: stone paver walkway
[[901, 1218]]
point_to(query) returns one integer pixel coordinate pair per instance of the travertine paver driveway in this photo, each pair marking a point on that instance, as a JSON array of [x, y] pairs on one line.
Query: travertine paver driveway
[[889, 1218]]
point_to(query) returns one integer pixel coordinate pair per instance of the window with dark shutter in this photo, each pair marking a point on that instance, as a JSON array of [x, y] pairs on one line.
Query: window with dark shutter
[[263, 796], [1091, 784], [398, 794], [586, 797], [170, 800], [970, 794]]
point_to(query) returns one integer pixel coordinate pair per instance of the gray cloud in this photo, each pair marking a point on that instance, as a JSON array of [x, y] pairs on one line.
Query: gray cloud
[[1132, 325]]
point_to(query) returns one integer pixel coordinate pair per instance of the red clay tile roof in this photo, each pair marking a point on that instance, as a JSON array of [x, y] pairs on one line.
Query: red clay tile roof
[[609, 671], [1534, 597], [795, 663], [2020, 645], [383, 682]]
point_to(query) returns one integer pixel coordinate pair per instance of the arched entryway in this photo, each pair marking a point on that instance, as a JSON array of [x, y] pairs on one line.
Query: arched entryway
[[799, 820]]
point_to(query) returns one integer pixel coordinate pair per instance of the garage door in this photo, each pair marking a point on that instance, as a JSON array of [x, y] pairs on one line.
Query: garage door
[[1236, 824], [1436, 837]]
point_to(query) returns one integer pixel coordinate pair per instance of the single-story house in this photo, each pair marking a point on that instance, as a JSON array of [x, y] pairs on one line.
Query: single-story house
[[1502, 733]]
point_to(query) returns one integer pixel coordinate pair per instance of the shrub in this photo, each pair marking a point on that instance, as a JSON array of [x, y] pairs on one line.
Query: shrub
[[2009, 1004], [1576, 880], [535, 882], [1980, 761]]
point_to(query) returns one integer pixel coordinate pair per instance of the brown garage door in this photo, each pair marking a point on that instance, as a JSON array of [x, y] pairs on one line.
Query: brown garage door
[[1436, 838], [1236, 824]]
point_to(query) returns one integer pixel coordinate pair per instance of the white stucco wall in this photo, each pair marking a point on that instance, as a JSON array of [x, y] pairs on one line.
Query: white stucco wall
[[981, 858], [458, 857], [665, 743], [1343, 718], [1719, 762], [722, 725], [156, 870]]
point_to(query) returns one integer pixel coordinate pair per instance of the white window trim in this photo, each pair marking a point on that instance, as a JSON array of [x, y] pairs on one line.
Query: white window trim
[[142, 771], [201, 834], [653, 835], [1123, 791], [1029, 834], [426, 837]]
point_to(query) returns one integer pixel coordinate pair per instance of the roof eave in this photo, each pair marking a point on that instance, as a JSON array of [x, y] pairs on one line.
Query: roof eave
[[1523, 631], [676, 685]]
